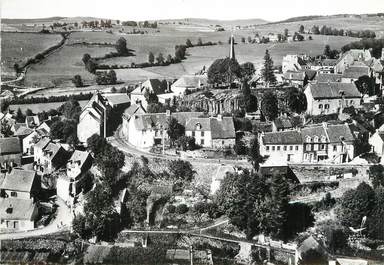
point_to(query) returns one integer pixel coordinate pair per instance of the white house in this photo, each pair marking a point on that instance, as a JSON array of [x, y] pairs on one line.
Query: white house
[[293, 62], [191, 83], [48, 156], [213, 132], [71, 184], [17, 214], [331, 142], [331, 97], [30, 140], [147, 130], [20, 184], [377, 142], [152, 86]]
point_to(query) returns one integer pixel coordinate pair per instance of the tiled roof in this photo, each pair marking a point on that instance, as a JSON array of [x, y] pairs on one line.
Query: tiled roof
[[10, 145], [220, 129], [134, 109], [191, 81], [23, 131], [52, 149], [284, 137], [339, 132], [43, 143], [283, 123], [356, 72], [79, 157], [21, 209], [321, 78], [153, 85], [334, 90], [19, 180], [116, 99], [156, 120]]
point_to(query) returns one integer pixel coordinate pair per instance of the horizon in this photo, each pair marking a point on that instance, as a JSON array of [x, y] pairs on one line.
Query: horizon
[[182, 9]]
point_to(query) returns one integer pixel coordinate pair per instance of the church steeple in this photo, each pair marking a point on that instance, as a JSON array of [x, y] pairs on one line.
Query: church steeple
[[232, 48]]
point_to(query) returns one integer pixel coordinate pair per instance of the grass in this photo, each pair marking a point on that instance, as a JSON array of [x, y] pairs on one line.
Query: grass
[[36, 108], [59, 68], [17, 47]]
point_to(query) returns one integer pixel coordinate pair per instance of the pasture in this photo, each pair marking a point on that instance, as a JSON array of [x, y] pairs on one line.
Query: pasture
[[36, 108], [17, 47]]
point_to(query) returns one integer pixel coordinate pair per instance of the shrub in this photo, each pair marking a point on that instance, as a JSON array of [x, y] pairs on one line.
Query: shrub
[[181, 209], [171, 208]]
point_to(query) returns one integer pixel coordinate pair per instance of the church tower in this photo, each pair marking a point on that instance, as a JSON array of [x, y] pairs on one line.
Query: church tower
[[232, 48]]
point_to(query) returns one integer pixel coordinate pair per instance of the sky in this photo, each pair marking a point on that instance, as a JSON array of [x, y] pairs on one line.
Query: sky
[[270, 10]]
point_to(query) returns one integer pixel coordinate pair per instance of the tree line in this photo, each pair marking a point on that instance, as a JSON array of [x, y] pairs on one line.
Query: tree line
[[325, 30]]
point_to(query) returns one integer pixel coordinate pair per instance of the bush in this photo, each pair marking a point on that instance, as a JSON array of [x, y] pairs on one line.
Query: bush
[[171, 208], [182, 209]]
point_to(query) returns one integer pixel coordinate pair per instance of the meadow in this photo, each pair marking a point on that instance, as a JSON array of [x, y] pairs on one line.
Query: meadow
[[58, 69], [17, 47], [36, 108]]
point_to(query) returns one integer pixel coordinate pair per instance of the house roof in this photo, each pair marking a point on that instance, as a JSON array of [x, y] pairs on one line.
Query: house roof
[[52, 149], [134, 109], [220, 129], [19, 180], [283, 123], [116, 99], [283, 137], [10, 145], [311, 74], [339, 132], [191, 81], [153, 86], [79, 157], [291, 75], [356, 71], [43, 143], [321, 78], [23, 131], [156, 120], [328, 62], [334, 90], [21, 209]]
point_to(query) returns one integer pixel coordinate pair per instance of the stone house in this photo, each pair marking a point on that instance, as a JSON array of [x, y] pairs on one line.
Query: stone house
[[154, 86], [212, 132], [189, 83], [21, 184], [10, 153], [48, 156], [328, 98], [377, 142], [71, 184], [17, 214]]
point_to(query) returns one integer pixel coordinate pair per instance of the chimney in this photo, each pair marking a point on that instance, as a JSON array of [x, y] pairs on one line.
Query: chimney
[[219, 117]]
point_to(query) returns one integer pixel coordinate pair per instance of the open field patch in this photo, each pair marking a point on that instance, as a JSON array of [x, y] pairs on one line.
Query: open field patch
[[17, 47], [36, 108]]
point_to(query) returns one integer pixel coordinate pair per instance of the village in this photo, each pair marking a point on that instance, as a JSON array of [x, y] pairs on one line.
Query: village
[[235, 164]]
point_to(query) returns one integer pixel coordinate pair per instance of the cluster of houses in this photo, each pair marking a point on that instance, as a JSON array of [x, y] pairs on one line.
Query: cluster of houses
[[28, 157]]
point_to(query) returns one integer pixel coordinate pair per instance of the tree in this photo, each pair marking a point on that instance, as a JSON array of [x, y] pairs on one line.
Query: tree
[[91, 66], [65, 130], [286, 33], [86, 58], [151, 58], [20, 117], [366, 85], [327, 51], [96, 143], [376, 220], [376, 174], [77, 81], [16, 67], [247, 70], [29, 112], [240, 148], [186, 142], [156, 108], [175, 130], [189, 43], [121, 46], [6, 128], [267, 71], [254, 153], [250, 100], [160, 59], [224, 71], [70, 109], [315, 30], [199, 42], [269, 106], [301, 29], [355, 204], [243, 39], [169, 59], [106, 78], [181, 170], [297, 101], [180, 52]]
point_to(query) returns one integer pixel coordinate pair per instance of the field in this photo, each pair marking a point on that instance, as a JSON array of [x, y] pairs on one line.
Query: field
[[16, 47]]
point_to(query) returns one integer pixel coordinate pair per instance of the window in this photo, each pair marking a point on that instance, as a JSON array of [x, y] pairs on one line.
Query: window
[[193, 134], [285, 148], [308, 147], [320, 106], [296, 148], [323, 139], [267, 148], [202, 142], [308, 139], [202, 133], [305, 156], [316, 139], [13, 194], [278, 148], [322, 147], [290, 147], [326, 106], [335, 148], [315, 147], [273, 148]]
